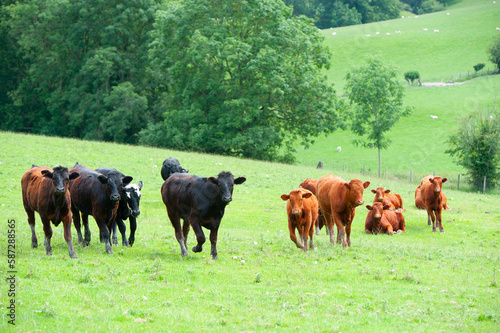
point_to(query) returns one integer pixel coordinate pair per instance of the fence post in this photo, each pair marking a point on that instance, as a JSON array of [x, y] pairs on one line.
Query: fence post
[[385, 172], [343, 167], [458, 183], [434, 173], [484, 185], [364, 170], [411, 176], [320, 165]]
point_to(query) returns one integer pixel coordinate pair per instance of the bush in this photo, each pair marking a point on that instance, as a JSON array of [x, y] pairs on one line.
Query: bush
[[476, 147], [412, 76], [478, 67], [494, 52]]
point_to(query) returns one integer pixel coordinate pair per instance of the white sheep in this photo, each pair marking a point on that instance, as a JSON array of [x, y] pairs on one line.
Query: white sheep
[[498, 29], [434, 117], [388, 34], [425, 29], [339, 149], [436, 30], [334, 33]]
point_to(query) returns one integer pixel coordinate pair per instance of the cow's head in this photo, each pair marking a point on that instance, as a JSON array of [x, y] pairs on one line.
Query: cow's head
[[295, 199], [114, 183], [379, 193], [437, 183], [133, 197], [355, 190], [60, 179], [378, 210], [225, 182]]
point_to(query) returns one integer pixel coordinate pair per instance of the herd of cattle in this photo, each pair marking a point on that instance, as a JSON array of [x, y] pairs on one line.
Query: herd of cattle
[[61, 195]]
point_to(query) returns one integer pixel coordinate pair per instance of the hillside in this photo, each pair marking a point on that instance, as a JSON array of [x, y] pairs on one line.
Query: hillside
[[465, 31]]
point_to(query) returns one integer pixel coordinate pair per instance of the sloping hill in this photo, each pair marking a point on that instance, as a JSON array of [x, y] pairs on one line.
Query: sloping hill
[[419, 142]]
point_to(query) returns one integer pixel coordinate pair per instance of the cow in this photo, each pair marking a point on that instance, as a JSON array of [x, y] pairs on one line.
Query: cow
[[200, 202], [393, 200], [302, 211], [98, 195], [432, 196], [128, 208], [170, 166], [310, 184], [419, 203], [380, 219], [338, 200], [45, 191]]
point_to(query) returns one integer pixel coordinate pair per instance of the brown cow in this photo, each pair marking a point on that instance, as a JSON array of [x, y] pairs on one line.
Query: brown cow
[[310, 184], [338, 200], [432, 196], [302, 210], [394, 201], [381, 219], [46, 191], [419, 203]]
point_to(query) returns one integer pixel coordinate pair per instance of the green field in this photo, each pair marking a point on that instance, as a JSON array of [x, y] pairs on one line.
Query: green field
[[412, 282], [419, 142]]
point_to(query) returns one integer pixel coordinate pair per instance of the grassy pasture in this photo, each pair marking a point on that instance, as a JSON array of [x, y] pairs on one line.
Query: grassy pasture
[[417, 281], [419, 142]]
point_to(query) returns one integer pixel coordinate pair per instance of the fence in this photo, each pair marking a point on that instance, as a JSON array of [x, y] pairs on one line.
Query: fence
[[457, 181]]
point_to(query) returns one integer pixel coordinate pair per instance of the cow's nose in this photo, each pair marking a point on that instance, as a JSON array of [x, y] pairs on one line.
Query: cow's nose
[[360, 202], [296, 212], [377, 216], [60, 190], [136, 213], [115, 197], [438, 190], [227, 199], [380, 199]]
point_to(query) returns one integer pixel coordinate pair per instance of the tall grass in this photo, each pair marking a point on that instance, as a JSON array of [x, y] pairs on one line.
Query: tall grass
[[417, 281]]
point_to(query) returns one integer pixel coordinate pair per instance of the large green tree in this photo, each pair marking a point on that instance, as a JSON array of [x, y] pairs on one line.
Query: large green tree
[[376, 97], [241, 78]]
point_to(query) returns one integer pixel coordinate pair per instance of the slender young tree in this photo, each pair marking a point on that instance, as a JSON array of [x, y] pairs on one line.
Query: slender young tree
[[376, 97]]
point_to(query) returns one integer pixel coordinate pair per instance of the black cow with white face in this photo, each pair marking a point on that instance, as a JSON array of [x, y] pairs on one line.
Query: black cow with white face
[[200, 202], [170, 166], [128, 208], [98, 195]]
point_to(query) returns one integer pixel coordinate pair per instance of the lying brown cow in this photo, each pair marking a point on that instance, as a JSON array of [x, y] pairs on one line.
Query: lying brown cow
[[381, 219], [310, 184], [302, 210], [46, 191], [419, 203], [338, 200], [433, 197], [394, 201]]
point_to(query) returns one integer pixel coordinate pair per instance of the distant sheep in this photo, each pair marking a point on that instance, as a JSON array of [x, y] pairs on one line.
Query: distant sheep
[[425, 29], [339, 149], [498, 29], [388, 34], [334, 33], [436, 31], [434, 117]]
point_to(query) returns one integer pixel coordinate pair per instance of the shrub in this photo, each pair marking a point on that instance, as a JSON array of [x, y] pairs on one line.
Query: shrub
[[476, 146], [478, 67], [412, 76], [494, 52]]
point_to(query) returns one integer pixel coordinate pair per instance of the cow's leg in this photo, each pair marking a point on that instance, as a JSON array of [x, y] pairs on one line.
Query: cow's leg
[[114, 234], [133, 227], [316, 225], [200, 236], [123, 229], [329, 227], [67, 236], [303, 235], [293, 237], [47, 229], [31, 222], [76, 221], [311, 233], [213, 242], [85, 221], [103, 227], [340, 230], [430, 216], [439, 222], [176, 223], [348, 232], [185, 231]]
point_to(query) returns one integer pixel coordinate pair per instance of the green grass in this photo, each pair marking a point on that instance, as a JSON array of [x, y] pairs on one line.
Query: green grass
[[419, 143], [413, 282]]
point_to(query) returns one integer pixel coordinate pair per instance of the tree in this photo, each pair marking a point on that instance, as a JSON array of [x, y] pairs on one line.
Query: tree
[[242, 78], [411, 76], [476, 146], [377, 100], [494, 51]]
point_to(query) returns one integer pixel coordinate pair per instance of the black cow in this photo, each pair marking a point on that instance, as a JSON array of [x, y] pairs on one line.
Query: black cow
[[170, 166], [200, 202], [98, 195], [46, 192], [128, 208]]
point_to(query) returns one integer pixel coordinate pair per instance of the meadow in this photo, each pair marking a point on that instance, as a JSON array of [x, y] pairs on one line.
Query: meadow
[[466, 29], [418, 281]]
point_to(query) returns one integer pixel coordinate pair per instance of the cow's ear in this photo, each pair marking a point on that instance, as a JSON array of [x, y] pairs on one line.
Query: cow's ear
[[73, 175], [140, 185], [369, 207], [373, 191], [347, 186], [47, 173], [387, 191], [366, 184], [285, 197], [103, 179], [431, 180], [213, 180], [127, 180], [386, 207], [444, 180], [239, 180], [307, 195]]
